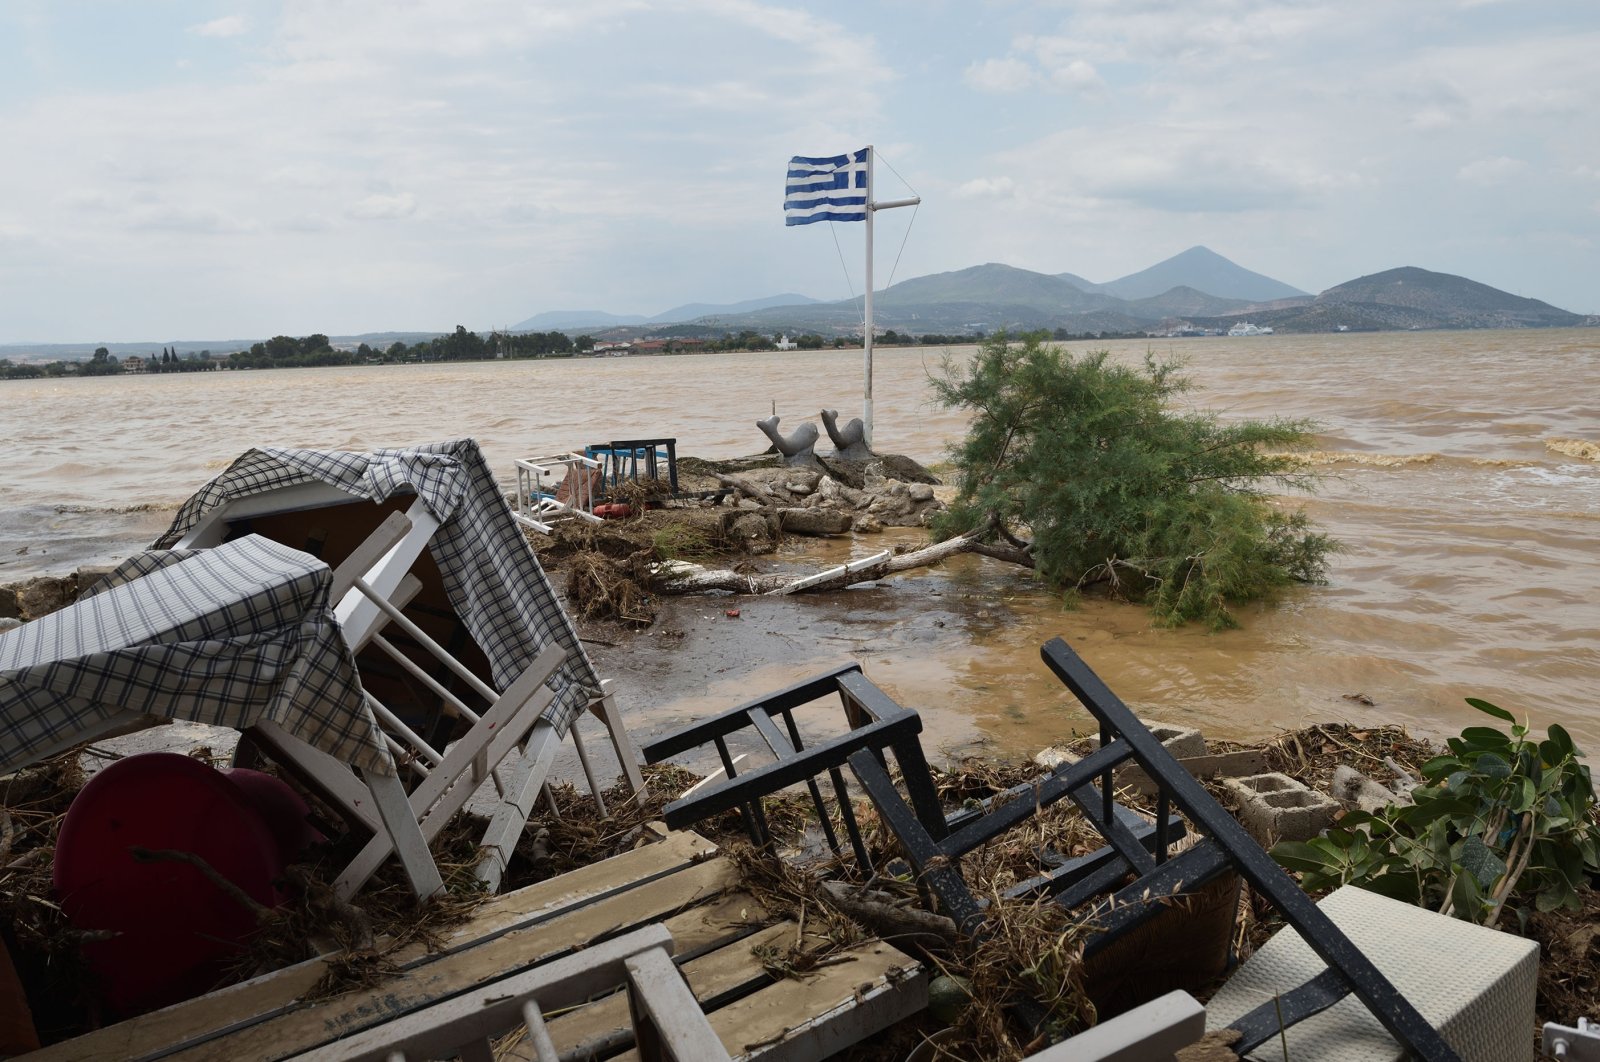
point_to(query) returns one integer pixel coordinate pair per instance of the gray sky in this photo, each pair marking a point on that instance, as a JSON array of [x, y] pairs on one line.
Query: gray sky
[[194, 170]]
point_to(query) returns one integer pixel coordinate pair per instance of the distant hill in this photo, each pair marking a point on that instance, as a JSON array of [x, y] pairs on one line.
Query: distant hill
[[1203, 270], [694, 310], [1411, 298], [996, 285], [1078, 282], [1187, 302], [562, 320], [566, 320], [1409, 293]]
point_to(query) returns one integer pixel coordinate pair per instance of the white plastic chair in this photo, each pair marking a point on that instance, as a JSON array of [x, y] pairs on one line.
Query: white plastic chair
[[541, 484]]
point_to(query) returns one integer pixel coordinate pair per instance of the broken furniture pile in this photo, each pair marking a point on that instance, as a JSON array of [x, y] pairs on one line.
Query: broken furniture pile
[[432, 666], [606, 480], [1147, 908]]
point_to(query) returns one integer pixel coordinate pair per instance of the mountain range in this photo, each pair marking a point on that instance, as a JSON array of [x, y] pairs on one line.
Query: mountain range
[[1197, 289], [560, 320]]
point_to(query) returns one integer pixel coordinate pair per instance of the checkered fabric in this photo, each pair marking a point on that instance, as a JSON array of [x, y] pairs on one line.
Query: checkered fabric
[[229, 636], [493, 579]]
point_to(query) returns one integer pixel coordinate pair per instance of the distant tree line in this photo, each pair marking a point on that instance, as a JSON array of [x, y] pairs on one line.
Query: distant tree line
[[290, 352], [104, 363]]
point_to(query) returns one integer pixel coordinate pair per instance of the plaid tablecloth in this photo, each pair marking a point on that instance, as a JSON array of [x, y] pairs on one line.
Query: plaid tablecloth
[[491, 576], [229, 636]]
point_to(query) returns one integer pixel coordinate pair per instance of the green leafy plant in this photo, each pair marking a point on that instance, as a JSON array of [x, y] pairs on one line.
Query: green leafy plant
[[1502, 822], [1119, 489]]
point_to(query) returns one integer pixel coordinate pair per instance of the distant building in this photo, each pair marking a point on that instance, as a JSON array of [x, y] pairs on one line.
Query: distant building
[[785, 343], [133, 363]]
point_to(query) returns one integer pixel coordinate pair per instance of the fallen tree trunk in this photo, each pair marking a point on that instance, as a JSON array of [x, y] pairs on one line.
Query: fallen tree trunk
[[692, 579]]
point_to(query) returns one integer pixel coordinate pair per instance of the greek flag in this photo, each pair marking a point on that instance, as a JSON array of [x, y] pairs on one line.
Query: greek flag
[[827, 189]]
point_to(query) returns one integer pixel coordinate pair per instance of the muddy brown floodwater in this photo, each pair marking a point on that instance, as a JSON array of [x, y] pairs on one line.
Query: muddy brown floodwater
[[1464, 478], [960, 643]]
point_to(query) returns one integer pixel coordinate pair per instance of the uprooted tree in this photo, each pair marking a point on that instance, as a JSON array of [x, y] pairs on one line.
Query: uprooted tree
[[1086, 467]]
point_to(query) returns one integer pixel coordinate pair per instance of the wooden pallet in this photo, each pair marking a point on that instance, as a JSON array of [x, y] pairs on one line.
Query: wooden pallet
[[678, 881]]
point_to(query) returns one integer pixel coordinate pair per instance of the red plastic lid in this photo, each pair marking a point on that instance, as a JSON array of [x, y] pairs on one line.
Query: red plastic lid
[[177, 929]]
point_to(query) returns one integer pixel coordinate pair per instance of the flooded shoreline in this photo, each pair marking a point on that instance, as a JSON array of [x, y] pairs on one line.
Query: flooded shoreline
[[1457, 474]]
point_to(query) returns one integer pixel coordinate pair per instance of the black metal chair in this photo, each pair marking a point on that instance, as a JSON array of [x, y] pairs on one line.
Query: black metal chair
[[1349, 970], [1135, 847], [875, 725]]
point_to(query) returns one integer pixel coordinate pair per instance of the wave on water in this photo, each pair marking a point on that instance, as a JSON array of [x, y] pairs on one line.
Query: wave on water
[[1582, 449], [119, 510], [1347, 457]]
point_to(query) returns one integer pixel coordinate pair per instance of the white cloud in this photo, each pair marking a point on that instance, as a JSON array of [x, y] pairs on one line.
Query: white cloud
[[1492, 171], [1001, 75], [1077, 75], [534, 154], [987, 188], [384, 207], [227, 26]]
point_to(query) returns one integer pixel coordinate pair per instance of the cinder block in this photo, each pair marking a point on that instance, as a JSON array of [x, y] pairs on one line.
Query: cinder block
[[1212, 764], [1184, 742], [1275, 807]]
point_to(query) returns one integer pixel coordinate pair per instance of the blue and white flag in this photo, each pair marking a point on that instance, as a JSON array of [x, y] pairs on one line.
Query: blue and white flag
[[827, 189]]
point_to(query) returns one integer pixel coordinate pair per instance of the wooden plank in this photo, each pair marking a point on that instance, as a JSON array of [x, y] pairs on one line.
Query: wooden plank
[[444, 976], [713, 924], [603, 1025], [474, 1018], [237, 1006], [801, 1020]]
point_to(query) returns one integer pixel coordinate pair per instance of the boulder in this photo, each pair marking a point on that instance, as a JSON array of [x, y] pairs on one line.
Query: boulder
[[814, 521], [42, 595], [751, 532], [866, 524], [919, 492]]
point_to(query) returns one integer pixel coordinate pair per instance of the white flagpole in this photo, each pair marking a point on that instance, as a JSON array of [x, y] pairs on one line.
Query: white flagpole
[[866, 344]]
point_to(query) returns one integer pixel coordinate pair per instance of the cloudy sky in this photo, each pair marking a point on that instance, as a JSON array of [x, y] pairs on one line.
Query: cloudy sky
[[176, 169]]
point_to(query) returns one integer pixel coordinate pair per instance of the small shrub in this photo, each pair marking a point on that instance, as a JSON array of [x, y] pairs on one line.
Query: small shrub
[[1118, 489], [1503, 822]]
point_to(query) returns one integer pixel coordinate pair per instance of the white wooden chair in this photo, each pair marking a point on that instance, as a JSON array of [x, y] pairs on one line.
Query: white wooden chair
[[555, 488], [509, 744], [667, 1020]]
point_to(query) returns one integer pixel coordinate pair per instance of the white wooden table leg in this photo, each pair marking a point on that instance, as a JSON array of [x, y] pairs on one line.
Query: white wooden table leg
[[605, 709], [500, 839], [406, 832]]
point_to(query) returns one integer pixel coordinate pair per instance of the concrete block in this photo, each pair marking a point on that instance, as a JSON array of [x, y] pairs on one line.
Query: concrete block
[[1211, 765], [1055, 756], [1275, 807], [1350, 786], [1183, 742]]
